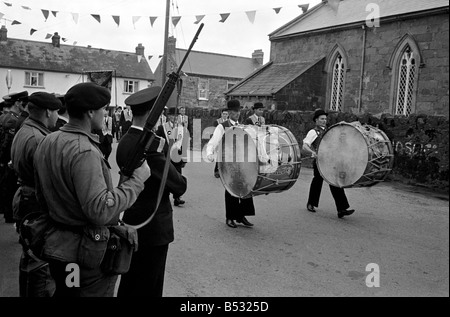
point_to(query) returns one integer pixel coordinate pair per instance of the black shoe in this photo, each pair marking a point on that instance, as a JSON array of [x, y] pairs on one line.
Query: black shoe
[[310, 208], [348, 212], [245, 222], [216, 175], [231, 223]]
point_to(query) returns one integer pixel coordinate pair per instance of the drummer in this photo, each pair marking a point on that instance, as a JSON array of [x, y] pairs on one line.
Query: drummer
[[310, 144], [257, 117], [235, 208]]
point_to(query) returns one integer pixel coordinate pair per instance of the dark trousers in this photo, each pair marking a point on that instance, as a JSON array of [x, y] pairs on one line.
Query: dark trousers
[[8, 188], [145, 277], [236, 208], [93, 282], [316, 187]]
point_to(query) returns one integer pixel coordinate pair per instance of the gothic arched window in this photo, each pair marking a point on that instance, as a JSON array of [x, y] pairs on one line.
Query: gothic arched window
[[337, 83]]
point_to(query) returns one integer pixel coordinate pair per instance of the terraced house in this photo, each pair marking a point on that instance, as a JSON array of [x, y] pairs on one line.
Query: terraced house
[[53, 67]]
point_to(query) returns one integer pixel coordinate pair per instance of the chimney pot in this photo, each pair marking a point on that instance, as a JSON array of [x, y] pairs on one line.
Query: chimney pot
[[3, 34], [140, 49], [56, 40], [258, 57]]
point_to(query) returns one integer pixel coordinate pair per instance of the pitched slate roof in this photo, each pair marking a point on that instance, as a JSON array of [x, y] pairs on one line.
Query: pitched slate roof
[[322, 16], [216, 65], [271, 78], [32, 55]]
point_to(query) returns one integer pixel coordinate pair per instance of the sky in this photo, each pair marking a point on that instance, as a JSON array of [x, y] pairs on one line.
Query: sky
[[240, 34]]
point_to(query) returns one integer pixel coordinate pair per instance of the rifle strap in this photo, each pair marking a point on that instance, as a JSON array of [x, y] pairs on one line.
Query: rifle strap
[[160, 191]]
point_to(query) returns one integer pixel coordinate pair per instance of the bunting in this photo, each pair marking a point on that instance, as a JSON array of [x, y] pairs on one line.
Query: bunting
[[45, 13], [15, 22], [54, 13], [304, 7], [135, 19], [334, 4], [175, 20], [251, 16], [1, 15], [199, 18], [224, 17], [75, 17], [116, 19], [8, 4], [277, 10], [32, 31], [48, 36], [97, 17], [26, 8], [152, 20]]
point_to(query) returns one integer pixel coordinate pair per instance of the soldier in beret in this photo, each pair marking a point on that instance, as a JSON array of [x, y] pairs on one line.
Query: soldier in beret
[[34, 274], [8, 179], [146, 274], [257, 117], [235, 209], [63, 117], [74, 187]]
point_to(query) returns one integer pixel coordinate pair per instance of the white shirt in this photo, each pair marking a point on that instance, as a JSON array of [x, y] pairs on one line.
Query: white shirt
[[217, 137], [311, 137]]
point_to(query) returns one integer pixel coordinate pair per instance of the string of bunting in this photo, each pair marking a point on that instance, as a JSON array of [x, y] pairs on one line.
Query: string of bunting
[[251, 16]]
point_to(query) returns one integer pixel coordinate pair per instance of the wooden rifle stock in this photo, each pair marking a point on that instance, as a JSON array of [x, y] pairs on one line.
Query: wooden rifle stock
[[145, 141]]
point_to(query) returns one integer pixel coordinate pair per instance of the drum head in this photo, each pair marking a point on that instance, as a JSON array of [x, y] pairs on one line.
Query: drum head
[[343, 155], [239, 166]]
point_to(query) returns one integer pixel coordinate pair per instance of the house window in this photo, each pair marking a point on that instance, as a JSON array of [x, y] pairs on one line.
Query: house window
[[337, 85], [131, 86], [34, 79], [203, 89], [406, 84]]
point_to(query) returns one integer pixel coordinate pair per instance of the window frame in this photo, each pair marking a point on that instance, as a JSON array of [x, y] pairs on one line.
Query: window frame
[[126, 86], [39, 76]]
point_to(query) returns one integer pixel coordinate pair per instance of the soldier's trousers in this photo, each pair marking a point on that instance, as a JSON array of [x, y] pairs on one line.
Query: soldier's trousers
[[34, 278]]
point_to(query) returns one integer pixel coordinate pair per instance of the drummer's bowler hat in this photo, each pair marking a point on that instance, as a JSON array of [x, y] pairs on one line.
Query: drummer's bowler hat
[[318, 113]]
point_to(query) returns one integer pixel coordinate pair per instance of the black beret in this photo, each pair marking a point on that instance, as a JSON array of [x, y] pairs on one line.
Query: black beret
[[88, 96], [318, 113], [2, 104], [258, 105], [234, 105], [45, 100], [144, 99], [17, 96]]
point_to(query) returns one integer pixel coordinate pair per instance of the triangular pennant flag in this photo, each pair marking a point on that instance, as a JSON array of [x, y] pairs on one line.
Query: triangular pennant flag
[[152, 20], [45, 13], [160, 56], [8, 4], [135, 19], [15, 22], [139, 58], [150, 57], [224, 17], [251, 16], [26, 8], [175, 21], [75, 17], [75, 43], [199, 18], [54, 13], [48, 36], [116, 19], [64, 39], [277, 10], [97, 17], [334, 4], [304, 7], [1, 15], [32, 31]]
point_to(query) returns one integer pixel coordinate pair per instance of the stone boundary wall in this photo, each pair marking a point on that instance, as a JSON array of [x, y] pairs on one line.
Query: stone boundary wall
[[420, 142]]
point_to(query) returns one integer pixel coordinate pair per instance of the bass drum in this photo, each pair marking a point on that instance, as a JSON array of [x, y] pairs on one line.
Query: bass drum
[[256, 160], [354, 155]]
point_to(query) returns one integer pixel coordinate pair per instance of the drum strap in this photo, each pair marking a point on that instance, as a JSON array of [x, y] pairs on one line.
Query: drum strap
[[316, 142]]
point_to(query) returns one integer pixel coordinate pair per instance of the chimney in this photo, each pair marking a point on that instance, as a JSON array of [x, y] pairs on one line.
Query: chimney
[[258, 57], [56, 39], [171, 46], [140, 49], [3, 34]]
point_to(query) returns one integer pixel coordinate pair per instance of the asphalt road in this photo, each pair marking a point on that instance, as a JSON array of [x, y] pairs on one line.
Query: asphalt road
[[291, 252]]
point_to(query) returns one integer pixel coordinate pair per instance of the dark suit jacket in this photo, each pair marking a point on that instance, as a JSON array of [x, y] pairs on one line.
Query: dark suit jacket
[[160, 230]]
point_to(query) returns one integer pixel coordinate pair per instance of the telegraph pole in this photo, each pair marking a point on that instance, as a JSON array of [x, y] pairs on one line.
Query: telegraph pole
[[166, 36]]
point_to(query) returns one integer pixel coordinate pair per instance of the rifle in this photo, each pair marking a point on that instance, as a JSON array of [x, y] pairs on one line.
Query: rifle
[[147, 136]]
